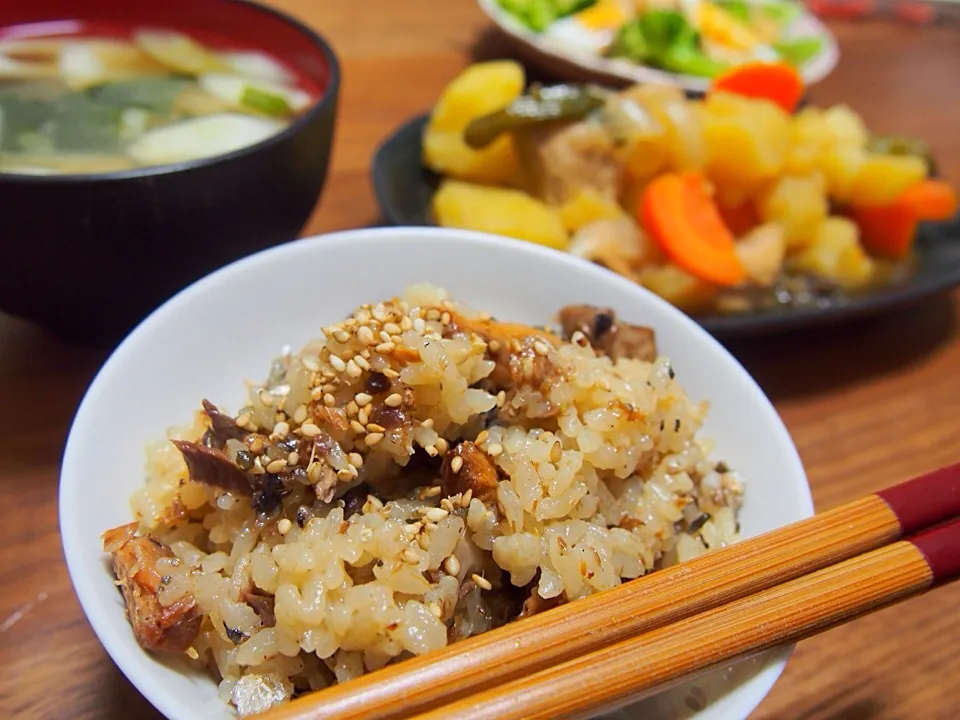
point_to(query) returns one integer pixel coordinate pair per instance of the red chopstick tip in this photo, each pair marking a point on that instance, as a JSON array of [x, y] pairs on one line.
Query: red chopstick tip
[[941, 549], [925, 501]]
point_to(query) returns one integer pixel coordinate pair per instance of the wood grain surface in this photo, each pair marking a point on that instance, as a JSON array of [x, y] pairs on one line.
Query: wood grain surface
[[868, 404]]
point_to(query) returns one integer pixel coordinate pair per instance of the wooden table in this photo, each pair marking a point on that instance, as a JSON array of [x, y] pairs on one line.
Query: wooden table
[[867, 405]]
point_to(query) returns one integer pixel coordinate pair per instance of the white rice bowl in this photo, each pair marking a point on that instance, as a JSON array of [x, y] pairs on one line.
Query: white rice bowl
[[227, 328]]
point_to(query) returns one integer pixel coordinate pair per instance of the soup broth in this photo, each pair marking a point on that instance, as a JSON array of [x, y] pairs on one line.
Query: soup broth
[[87, 104]]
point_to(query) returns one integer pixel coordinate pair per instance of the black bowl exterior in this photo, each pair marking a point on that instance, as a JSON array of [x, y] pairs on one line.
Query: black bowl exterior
[[89, 256], [404, 189]]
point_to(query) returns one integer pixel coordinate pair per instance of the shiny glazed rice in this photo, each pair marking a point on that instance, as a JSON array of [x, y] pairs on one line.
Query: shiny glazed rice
[[421, 473]]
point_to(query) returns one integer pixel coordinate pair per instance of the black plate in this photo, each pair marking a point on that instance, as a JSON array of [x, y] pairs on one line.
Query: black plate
[[404, 188]]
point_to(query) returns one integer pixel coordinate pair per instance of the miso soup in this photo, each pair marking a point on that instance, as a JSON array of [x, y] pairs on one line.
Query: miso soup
[[86, 104]]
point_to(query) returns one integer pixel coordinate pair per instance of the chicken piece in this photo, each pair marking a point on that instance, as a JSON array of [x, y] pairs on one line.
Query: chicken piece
[[213, 467], [473, 471], [509, 345], [607, 336], [159, 628], [262, 604], [614, 243], [562, 158]]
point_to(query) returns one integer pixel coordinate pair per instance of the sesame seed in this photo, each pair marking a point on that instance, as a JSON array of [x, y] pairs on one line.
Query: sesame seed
[[365, 335], [316, 393], [501, 398], [481, 582], [309, 430], [428, 423], [526, 365], [540, 348], [433, 315], [430, 526], [276, 466], [423, 540], [375, 502], [348, 473], [394, 400], [515, 346], [192, 653], [447, 505], [293, 458], [300, 414], [352, 408], [412, 528], [342, 336], [390, 373], [494, 449], [353, 370], [456, 464], [363, 399], [419, 325], [379, 313], [411, 555], [385, 336], [406, 323], [313, 472], [481, 437], [361, 362], [266, 398], [435, 610], [451, 565], [442, 446], [431, 450], [310, 364], [391, 329], [374, 428], [329, 400], [338, 364], [433, 491], [556, 452], [445, 318], [283, 527], [494, 346], [373, 438], [385, 347], [356, 459], [243, 420], [350, 322], [357, 427], [436, 514], [257, 468], [362, 315], [466, 498], [488, 515], [364, 416], [366, 535]]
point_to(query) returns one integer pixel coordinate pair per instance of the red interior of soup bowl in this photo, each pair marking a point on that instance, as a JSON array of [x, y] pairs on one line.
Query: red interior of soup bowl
[[223, 24]]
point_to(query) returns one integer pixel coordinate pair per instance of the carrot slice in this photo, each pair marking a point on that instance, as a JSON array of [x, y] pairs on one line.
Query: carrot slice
[[889, 230], [932, 200], [777, 82], [679, 213], [740, 219]]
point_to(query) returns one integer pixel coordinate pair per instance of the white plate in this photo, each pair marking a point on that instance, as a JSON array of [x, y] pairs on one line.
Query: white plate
[[227, 327], [579, 64]]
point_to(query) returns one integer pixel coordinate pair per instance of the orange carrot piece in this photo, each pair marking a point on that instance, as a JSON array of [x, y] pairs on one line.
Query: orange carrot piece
[[679, 213], [889, 230], [886, 230], [932, 200], [777, 82]]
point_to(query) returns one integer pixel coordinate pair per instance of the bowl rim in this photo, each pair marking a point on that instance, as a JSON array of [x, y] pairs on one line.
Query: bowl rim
[[326, 102], [753, 690]]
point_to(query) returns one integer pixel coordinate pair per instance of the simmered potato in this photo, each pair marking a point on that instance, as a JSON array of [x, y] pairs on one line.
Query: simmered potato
[[810, 140], [498, 210], [882, 178], [479, 90], [586, 206], [798, 204], [747, 140], [678, 287], [840, 167], [836, 254], [761, 252], [845, 127]]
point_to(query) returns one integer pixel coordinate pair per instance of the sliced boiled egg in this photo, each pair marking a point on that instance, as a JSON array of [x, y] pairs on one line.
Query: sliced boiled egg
[[592, 29]]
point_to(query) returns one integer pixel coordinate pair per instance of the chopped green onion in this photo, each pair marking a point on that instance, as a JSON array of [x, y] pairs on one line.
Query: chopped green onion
[[265, 102]]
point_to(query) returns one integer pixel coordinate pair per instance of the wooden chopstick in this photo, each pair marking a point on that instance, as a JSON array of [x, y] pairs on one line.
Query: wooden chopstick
[[664, 597], [621, 673]]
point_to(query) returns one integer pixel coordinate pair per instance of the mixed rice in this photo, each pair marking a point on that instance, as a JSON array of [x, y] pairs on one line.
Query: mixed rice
[[418, 474]]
